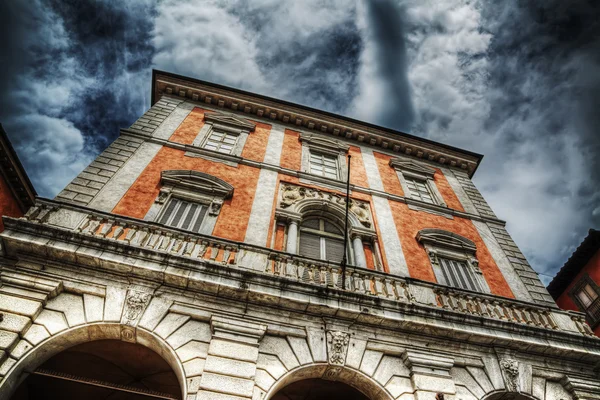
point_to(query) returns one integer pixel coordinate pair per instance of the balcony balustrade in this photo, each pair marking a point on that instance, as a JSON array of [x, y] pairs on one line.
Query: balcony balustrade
[[223, 253]]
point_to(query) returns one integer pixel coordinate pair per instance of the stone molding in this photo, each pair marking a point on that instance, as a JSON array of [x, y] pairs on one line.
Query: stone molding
[[237, 330], [166, 84]]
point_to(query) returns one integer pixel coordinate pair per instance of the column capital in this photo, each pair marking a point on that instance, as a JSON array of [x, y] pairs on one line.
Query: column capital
[[362, 233], [288, 216], [237, 330]]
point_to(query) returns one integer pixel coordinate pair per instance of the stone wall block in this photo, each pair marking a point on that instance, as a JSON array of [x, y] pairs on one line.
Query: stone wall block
[[14, 323], [279, 347], [300, 349], [191, 330], [169, 324], [71, 306], [370, 361], [94, 307], [17, 305], [155, 312], [53, 321]]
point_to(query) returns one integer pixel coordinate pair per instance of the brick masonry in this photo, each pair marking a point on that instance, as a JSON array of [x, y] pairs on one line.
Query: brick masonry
[[528, 276], [88, 183]]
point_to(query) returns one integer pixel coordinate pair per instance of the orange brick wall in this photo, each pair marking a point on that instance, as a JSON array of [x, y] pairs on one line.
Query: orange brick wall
[[234, 217], [235, 213], [410, 222], [8, 204]]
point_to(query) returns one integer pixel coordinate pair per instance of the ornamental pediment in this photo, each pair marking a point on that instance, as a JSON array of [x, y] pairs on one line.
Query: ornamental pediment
[[411, 166], [229, 120], [302, 200]]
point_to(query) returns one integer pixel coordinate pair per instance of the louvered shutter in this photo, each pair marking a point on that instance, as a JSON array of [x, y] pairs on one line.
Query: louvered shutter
[[334, 249], [458, 274], [184, 214], [310, 245]]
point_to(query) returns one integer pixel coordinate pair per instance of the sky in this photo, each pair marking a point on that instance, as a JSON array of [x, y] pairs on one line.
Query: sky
[[517, 81]]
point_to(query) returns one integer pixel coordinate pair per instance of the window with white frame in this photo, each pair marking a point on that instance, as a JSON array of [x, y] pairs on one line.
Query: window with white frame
[[420, 190], [319, 238], [324, 157], [223, 133], [453, 259], [324, 165], [417, 181], [189, 200], [221, 141], [586, 294], [458, 273], [183, 214]]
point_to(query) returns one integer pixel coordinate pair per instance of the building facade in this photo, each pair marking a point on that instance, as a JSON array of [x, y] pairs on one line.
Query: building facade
[[16, 191], [577, 285], [206, 243]]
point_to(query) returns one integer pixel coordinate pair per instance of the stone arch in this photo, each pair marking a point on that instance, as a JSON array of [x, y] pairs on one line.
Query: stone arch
[[350, 376], [506, 395], [87, 333], [329, 210]]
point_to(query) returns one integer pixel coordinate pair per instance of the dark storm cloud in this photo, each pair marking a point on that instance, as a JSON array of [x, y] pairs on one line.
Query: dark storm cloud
[[545, 63], [387, 21], [72, 75]]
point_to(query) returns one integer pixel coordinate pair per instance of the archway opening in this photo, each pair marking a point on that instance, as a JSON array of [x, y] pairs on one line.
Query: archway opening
[[103, 369], [318, 389]]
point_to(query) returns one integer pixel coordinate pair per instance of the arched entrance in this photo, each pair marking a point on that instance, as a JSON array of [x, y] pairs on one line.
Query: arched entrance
[[504, 395], [102, 369], [57, 352], [323, 381], [318, 389]]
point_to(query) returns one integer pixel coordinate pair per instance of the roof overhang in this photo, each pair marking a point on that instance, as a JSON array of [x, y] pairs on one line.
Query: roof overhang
[[310, 119], [575, 263]]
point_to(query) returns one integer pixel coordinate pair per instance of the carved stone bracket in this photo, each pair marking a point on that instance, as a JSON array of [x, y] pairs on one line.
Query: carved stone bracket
[[510, 373], [337, 347], [136, 302]]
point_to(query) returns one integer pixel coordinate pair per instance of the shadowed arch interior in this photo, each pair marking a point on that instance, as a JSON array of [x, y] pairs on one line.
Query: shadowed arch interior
[[102, 369], [318, 389]]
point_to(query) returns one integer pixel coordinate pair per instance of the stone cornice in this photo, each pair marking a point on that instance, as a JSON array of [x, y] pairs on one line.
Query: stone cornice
[[327, 182], [294, 115]]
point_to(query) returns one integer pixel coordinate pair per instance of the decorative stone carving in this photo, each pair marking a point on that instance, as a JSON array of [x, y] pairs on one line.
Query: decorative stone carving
[[362, 212], [291, 195], [215, 207], [135, 303], [338, 346], [162, 196], [510, 372]]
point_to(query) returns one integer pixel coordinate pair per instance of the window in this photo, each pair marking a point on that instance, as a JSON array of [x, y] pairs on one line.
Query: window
[[453, 259], [419, 190], [184, 215], [223, 142], [189, 200], [321, 239], [458, 274], [323, 160], [323, 165], [587, 297], [417, 183], [222, 133]]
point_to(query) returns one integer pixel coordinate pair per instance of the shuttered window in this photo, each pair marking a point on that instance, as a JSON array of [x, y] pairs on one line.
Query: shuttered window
[[223, 142], [323, 165], [321, 239], [458, 274], [419, 190], [586, 294], [183, 214]]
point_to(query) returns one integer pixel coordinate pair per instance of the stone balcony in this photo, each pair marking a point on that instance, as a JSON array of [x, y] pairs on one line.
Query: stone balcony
[[85, 241]]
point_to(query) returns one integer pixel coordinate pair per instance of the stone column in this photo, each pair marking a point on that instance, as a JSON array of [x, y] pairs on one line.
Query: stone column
[[429, 374], [359, 251], [231, 362], [292, 237]]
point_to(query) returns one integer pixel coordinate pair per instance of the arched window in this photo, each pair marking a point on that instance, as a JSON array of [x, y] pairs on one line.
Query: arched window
[[320, 238]]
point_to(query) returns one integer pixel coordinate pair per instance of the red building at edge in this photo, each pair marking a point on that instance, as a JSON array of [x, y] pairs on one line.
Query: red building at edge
[[16, 191], [577, 285]]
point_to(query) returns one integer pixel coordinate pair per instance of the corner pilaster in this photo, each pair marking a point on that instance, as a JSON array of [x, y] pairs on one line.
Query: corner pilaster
[[429, 374]]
